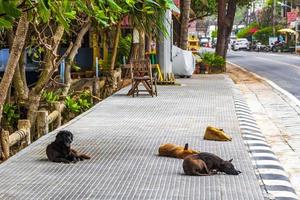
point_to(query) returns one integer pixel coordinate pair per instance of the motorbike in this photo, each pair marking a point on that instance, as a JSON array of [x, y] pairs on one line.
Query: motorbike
[[259, 47]]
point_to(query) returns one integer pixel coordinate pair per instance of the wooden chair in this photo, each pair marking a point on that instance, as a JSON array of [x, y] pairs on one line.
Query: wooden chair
[[141, 72]]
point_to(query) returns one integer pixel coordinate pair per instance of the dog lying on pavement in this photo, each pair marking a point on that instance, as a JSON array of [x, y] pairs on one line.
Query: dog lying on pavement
[[60, 150], [213, 164], [195, 167], [175, 151]]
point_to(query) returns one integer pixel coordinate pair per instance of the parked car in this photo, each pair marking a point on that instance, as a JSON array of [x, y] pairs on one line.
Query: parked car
[[204, 42], [241, 43]]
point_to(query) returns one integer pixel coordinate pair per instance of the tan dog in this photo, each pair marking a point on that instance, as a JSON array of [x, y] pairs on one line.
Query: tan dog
[[212, 133], [175, 151], [195, 167]]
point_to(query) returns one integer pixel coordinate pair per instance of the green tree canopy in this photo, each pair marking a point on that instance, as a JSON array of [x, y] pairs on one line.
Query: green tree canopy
[[203, 8]]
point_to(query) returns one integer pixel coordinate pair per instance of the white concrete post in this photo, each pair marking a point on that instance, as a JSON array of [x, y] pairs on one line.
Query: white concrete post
[[165, 47]]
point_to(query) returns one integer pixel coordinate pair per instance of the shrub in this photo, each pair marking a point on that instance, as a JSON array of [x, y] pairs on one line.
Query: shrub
[[207, 57], [264, 34], [10, 114], [50, 97], [215, 62], [72, 105], [247, 31], [218, 64], [80, 102]]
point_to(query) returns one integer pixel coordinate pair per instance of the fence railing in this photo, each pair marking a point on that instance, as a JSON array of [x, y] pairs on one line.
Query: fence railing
[[9, 140], [45, 120]]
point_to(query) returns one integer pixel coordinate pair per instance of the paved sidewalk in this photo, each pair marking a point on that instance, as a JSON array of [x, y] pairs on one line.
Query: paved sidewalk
[[122, 134]]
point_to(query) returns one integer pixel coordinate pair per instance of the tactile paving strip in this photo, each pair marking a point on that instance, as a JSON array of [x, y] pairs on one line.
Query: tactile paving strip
[[122, 134]]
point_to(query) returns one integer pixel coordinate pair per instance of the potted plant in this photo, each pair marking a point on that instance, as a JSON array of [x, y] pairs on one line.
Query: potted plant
[[213, 63], [217, 64], [207, 58]]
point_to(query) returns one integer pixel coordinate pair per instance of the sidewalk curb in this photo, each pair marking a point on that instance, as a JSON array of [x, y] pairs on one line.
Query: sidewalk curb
[[291, 97], [274, 179]]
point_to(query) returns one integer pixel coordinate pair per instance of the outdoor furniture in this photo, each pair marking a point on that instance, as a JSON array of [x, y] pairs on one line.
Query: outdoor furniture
[[141, 72]]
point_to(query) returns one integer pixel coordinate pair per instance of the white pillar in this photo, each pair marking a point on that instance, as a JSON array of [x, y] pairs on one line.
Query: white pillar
[[165, 47]]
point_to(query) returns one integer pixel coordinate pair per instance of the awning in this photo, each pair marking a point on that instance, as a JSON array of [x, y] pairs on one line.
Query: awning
[[287, 30]]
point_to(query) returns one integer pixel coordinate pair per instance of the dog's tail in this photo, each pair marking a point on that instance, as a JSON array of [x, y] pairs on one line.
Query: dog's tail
[[84, 156], [80, 155], [186, 146]]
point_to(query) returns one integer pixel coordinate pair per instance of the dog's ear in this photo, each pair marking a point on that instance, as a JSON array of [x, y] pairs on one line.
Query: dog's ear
[[59, 136], [230, 160], [71, 134], [186, 146]]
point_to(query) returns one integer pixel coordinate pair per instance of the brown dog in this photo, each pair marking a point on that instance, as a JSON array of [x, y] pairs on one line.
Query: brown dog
[[175, 151], [60, 150], [195, 167]]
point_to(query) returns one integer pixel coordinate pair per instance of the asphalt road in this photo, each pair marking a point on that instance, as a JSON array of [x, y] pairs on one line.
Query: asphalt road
[[282, 69]]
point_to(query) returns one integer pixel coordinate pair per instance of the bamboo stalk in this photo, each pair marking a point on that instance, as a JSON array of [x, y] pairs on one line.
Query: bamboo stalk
[[42, 123], [5, 144], [25, 125]]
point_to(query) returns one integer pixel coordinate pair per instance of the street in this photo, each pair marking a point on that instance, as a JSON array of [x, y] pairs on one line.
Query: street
[[282, 69]]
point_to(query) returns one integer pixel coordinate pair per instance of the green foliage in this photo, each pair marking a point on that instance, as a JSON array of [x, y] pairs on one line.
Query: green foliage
[[80, 102], [10, 113], [72, 105], [214, 34], [124, 48], [240, 13], [85, 100], [203, 8], [245, 32], [50, 97], [263, 34], [216, 63], [207, 57], [149, 15], [9, 12]]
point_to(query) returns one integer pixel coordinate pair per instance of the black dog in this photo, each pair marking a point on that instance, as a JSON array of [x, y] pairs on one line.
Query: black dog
[[60, 150], [216, 163]]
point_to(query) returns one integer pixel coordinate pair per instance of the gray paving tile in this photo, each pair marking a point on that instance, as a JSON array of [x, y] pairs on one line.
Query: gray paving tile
[[122, 134]]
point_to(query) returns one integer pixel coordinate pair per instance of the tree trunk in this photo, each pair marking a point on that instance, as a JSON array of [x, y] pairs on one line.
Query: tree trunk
[[149, 42], [19, 79], [95, 45], [179, 24], [116, 44], [20, 86], [105, 48], [71, 56], [141, 44], [185, 16], [14, 56], [225, 24], [48, 70], [134, 45]]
